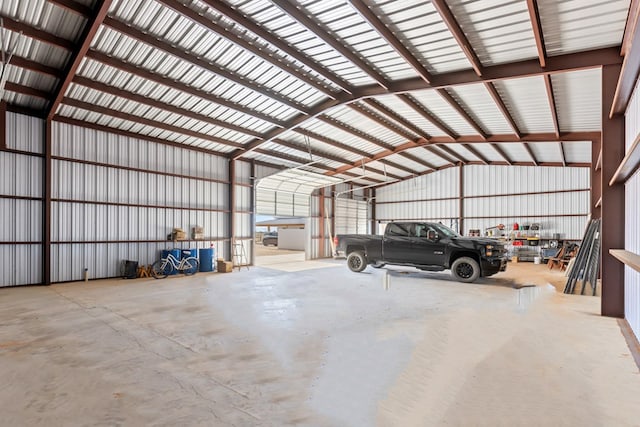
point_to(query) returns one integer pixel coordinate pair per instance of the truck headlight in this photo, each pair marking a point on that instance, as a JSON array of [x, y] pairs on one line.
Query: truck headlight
[[488, 250]]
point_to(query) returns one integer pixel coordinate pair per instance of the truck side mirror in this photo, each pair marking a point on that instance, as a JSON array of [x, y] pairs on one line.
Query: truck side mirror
[[432, 235]]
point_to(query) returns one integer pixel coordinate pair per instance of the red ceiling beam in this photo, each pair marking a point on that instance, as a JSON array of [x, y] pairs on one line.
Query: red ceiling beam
[[630, 26], [25, 90], [34, 33], [382, 29], [531, 137], [125, 94], [418, 160], [476, 153], [458, 34], [27, 64], [328, 141], [503, 108], [446, 153], [382, 121], [420, 109], [552, 104], [534, 16], [90, 29], [73, 6], [199, 62], [397, 117], [282, 45], [562, 154], [174, 84], [630, 67], [459, 108], [299, 14], [355, 132], [147, 122], [533, 157], [502, 154]]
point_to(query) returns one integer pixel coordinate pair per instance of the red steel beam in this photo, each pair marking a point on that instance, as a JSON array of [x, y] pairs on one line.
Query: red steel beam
[[476, 153], [459, 108], [503, 108], [238, 79], [355, 132], [147, 122], [25, 90], [298, 13], [34, 33], [382, 29], [30, 65], [83, 81], [562, 155], [138, 71], [421, 109], [630, 71], [331, 142], [382, 121], [630, 26], [534, 16], [90, 29], [530, 151], [449, 155], [73, 6], [279, 43], [500, 151], [552, 104], [458, 34], [395, 116]]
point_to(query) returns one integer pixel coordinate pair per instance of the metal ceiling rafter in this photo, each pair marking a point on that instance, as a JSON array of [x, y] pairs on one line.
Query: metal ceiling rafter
[[398, 166], [260, 31], [36, 34], [27, 64], [503, 108], [458, 34], [530, 151], [462, 111], [370, 17], [199, 62], [552, 104], [382, 121], [148, 122], [534, 16], [562, 154], [476, 153], [125, 94], [354, 131], [630, 66], [437, 150], [374, 103], [328, 141], [296, 12], [175, 84], [73, 6], [90, 29], [502, 154], [26, 90], [629, 28], [420, 109], [315, 153], [418, 160]]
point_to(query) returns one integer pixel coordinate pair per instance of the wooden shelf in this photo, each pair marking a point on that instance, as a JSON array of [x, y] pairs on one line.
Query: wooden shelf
[[627, 258], [629, 164]]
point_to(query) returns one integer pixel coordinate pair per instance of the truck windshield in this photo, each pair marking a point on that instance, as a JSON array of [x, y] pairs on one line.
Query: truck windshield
[[446, 231]]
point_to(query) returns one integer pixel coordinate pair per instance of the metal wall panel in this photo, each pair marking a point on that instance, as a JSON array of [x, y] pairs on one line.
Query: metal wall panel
[[351, 216], [132, 211], [632, 244], [20, 214]]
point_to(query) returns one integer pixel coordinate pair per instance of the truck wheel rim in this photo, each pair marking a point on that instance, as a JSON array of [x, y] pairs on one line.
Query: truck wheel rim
[[464, 270], [355, 262]]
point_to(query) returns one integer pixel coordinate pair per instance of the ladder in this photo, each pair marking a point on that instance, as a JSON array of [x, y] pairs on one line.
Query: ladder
[[239, 256]]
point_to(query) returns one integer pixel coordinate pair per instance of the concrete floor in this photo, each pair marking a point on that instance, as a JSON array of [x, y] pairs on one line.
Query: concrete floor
[[317, 346]]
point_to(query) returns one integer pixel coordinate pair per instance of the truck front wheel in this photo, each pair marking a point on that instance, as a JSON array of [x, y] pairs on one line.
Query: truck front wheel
[[465, 269], [356, 261]]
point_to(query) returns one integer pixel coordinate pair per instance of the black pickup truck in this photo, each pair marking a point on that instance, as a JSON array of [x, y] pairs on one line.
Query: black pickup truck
[[426, 246]]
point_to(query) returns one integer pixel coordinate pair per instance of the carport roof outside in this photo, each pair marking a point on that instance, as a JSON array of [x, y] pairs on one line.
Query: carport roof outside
[[396, 88]]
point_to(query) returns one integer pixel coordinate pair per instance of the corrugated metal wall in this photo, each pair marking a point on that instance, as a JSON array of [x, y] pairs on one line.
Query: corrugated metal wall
[[632, 220], [351, 216], [116, 198], [20, 201], [493, 195], [244, 215]]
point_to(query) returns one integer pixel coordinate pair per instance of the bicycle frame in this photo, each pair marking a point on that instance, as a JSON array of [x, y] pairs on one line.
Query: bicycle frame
[[188, 265]]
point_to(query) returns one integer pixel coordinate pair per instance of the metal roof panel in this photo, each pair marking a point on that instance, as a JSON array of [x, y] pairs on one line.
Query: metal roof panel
[[526, 99], [578, 98]]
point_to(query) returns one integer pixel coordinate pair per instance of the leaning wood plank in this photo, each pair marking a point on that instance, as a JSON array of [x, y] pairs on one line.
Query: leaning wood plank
[[626, 257]]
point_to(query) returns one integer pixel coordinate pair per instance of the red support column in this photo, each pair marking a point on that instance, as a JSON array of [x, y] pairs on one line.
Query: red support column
[[321, 224], [46, 205], [232, 206], [612, 237], [3, 125]]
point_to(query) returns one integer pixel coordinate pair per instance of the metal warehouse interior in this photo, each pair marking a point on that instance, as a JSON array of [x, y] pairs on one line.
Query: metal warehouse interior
[[122, 121]]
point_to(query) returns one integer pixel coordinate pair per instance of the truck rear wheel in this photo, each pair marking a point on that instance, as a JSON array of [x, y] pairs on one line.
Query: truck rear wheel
[[356, 261], [465, 269]]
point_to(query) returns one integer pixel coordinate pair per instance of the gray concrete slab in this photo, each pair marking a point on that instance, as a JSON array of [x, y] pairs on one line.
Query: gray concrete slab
[[318, 346]]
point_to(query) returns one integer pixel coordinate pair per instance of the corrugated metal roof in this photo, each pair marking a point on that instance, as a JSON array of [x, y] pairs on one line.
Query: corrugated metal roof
[[46, 16], [404, 110], [333, 133], [499, 31], [437, 105], [515, 152], [528, 103], [428, 156], [546, 151], [577, 152], [481, 106], [366, 125], [576, 25], [578, 98]]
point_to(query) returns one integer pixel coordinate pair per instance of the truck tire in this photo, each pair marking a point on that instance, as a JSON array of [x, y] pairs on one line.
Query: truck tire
[[356, 261], [465, 269], [378, 264]]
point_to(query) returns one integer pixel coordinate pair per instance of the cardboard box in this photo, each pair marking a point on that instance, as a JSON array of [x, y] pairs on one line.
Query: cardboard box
[[225, 266], [514, 259]]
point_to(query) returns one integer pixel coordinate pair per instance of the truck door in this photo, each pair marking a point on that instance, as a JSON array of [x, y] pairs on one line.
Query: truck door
[[428, 248], [397, 243]]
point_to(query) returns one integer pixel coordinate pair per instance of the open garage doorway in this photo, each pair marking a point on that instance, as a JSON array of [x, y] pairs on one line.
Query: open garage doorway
[[283, 206]]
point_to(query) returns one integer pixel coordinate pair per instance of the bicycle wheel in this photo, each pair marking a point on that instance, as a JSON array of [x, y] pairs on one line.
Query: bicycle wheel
[[161, 269], [190, 267]]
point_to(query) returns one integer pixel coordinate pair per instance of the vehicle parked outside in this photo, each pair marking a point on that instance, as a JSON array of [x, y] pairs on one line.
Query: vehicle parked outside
[[270, 238]]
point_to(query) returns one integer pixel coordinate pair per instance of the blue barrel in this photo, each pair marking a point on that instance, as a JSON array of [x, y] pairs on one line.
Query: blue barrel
[[176, 254], [192, 252], [206, 259]]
